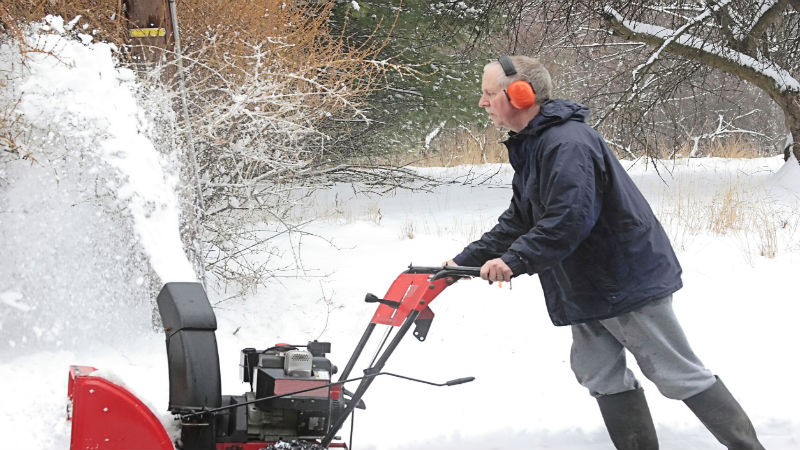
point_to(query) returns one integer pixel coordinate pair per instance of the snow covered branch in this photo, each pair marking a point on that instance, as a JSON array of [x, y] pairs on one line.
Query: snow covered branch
[[767, 14], [757, 43], [672, 36], [764, 74]]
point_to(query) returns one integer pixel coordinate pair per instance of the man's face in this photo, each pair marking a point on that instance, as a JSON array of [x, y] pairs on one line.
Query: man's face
[[494, 100]]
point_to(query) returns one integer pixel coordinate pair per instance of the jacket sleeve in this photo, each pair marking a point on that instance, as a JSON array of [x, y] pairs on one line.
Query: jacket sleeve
[[496, 241], [570, 188]]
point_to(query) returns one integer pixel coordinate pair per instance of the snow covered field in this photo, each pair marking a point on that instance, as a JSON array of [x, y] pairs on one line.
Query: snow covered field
[[70, 293]]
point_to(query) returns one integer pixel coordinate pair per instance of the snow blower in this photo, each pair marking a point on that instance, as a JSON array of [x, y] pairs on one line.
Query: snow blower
[[293, 403]]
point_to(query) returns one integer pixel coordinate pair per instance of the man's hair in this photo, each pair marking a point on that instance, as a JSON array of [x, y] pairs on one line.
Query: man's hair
[[530, 70]]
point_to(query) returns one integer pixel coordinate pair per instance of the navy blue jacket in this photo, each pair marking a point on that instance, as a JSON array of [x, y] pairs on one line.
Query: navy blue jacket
[[577, 219]]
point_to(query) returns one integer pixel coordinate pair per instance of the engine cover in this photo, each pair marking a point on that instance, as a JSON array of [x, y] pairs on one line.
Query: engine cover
[[294, 383]]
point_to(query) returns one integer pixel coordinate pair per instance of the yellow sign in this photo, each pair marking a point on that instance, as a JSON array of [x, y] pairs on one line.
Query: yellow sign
[[147, 32]]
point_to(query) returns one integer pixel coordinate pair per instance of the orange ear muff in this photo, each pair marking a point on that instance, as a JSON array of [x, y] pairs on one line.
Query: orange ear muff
[[520, 94]]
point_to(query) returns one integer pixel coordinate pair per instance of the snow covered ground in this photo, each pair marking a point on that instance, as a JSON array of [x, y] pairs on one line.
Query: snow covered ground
[[70, 292]]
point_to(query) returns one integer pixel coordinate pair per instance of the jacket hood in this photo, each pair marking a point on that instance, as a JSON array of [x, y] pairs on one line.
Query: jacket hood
[[555, 112]]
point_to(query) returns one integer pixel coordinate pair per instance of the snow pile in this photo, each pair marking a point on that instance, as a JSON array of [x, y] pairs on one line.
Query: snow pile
[[788, 178]]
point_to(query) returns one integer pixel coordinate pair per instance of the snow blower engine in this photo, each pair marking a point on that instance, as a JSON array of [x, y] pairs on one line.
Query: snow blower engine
[[292, 397]]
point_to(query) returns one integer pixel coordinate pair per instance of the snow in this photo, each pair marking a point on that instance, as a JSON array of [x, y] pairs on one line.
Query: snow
[[12, 299], [738, 308], [101, 98], [432, 135]]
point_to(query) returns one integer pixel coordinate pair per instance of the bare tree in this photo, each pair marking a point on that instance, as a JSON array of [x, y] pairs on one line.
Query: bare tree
[[757, 40], [677, 49]]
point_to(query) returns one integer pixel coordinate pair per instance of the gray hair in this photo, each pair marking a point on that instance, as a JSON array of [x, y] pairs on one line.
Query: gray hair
[[530, 70]]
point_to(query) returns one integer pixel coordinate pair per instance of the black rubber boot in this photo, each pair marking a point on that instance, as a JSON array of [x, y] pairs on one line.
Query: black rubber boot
[[628, 420], [724, 418]]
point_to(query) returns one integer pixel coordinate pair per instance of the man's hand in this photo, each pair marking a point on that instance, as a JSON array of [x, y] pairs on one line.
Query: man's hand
[[449, 262], [496, 270]]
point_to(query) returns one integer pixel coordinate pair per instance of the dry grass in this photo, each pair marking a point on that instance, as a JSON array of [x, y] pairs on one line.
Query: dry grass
[[734, 148], [737, 147], [734, 208], [408, 230], [767, 229], [463, 146], [727, 211], [468, 146]]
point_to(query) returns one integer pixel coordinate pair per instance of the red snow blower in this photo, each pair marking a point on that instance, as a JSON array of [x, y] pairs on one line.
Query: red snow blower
[[292, 403]]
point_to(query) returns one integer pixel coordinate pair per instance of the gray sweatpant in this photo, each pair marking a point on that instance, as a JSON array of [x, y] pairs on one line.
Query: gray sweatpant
[[654, 337]]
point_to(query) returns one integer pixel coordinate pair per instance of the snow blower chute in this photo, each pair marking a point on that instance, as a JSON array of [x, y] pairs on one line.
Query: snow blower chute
[[293, 403]]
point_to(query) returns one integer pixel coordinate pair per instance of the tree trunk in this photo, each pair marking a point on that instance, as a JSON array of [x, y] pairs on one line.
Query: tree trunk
[[791, 110]]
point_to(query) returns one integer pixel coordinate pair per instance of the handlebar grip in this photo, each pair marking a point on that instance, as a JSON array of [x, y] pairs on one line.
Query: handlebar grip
[[460, 381], [458, 271]]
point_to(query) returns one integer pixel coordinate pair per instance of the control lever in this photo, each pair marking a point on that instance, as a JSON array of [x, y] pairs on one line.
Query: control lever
[[372, 298]]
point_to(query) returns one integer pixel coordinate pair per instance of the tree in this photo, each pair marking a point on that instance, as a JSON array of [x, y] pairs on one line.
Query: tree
[[435, 38], [757, 41]]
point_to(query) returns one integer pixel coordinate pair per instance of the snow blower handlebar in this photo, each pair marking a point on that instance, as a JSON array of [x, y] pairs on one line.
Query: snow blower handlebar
[[406, 303], [450, 273]]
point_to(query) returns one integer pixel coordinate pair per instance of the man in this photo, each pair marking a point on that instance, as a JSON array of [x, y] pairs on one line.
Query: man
[[606, 266]]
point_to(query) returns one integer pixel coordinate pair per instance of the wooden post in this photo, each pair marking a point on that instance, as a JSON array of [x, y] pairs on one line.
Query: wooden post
[[149, 30]]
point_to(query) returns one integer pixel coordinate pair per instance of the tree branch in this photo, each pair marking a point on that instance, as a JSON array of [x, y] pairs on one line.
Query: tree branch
[[774, 80], [767, 18]]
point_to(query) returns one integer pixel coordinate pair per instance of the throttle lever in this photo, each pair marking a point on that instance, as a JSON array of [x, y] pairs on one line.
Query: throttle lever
[[372, 298]]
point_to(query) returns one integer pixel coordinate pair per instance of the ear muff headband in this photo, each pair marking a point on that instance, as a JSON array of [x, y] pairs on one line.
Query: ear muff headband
[[507, 64], [519, 93]]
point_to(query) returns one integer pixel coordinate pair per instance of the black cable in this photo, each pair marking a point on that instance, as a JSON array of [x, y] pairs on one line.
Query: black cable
[[352, 419]]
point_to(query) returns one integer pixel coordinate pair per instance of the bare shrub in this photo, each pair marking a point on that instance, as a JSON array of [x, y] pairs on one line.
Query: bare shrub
[[103, 18], [268, 89], [270, 96], [10, 130]]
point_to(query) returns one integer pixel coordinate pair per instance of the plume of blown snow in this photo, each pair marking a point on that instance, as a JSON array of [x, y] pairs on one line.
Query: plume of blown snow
[[90, 224]]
